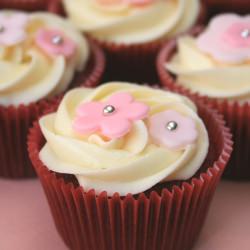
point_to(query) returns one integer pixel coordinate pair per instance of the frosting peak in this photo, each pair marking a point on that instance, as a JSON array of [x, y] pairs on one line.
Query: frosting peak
[[216, 63], [135, 161], [132, 21], [33, 65]]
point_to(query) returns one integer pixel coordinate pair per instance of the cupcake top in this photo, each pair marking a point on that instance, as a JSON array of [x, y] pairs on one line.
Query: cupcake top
[[124, 138], [132, 21], [217, 62], [39, 54]]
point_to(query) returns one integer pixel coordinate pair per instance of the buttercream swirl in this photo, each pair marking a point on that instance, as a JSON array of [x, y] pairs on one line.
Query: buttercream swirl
[[134, 162], [29, 73], [123, 22], [216, 63]]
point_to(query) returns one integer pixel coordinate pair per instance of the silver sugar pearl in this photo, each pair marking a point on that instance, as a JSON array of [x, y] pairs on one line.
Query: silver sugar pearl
[[172, 125], [2, 28], [57, 40], [245, 33], [109, 109]]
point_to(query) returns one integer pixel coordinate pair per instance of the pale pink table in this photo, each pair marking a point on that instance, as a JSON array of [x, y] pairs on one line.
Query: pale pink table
[[26, 224]]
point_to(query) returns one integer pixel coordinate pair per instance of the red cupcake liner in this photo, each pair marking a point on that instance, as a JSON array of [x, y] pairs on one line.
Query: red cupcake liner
[[25, 5], [168, 216], [31, 5], [237, 116], [16, 121]]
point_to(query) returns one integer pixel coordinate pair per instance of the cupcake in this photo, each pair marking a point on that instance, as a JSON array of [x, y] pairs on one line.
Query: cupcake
[[124, 161], [214, 66], [131, 32], [41, 56]]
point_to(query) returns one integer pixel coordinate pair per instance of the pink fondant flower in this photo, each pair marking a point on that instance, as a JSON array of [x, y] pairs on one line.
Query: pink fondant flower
[[172, 130], [55, 42], [112, 118], [12, 28], [227, 38]]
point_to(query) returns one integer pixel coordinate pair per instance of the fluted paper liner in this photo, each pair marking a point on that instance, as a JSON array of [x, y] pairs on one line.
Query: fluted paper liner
[[31, 5], [16, 121], [237, 116], [168, 216]]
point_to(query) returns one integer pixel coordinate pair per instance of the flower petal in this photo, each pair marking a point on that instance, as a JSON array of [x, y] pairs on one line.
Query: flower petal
[[85, 125], [93, 109], [221, 22], [184, 134], [3, 19], [136, 111], [120, 99], [68, 49], [223, 41], [12, 37], [115, 127], [44, 39], [18, 20]]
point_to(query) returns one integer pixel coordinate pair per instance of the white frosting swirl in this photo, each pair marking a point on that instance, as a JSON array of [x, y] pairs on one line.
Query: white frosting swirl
[[133, 24], [201, 73], [28, 74], [131, 164]]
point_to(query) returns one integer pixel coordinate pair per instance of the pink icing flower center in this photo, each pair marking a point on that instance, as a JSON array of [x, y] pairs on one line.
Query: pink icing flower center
[[238, 35], [55, 42], [172, 130], [112, 118]]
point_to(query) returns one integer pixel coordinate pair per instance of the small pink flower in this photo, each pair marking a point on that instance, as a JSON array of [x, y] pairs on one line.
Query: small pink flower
[[12, 28], [227, 38], [112, 118], [172, 130], [54, 43]]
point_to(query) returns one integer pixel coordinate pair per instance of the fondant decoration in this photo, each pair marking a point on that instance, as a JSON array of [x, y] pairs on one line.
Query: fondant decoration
[[12, 28], [112, 118], [227, 38], [172, 130], [55, 42]]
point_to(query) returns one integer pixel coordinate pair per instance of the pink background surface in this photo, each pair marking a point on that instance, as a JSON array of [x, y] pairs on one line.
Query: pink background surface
[[26, 224]]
